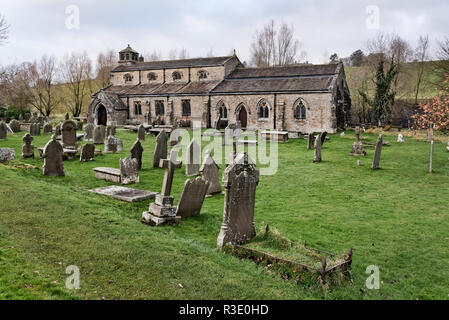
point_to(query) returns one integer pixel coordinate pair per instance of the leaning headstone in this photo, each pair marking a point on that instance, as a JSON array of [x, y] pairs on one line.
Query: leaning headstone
[[162, 210], [240, 180], [357, 146], [310, 141], [192, 197], [136, 152], [53, 158], [3, 130], [87, 152], [193, 159], [209, 172], [111, 145], [323, 136], [317, 155], [69, 140], [89, 132], [377, 153], [27, 148], [129, 170], [99, 135], [14, 125], [48, 128], [401, 138], [141, 133], [7, 154], [160, 151]]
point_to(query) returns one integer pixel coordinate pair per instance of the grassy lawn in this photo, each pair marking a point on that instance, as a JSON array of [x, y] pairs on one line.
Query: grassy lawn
[[396, 218]]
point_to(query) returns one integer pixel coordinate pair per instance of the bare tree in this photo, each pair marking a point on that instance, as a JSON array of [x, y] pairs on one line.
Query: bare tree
[[105, 62], [287, 46], [441, 66], [263, 47], [4, 29], [76, 70], [421, 55], [183, 54], [154, 56], [210, 53], [15, 83], [173, 54]]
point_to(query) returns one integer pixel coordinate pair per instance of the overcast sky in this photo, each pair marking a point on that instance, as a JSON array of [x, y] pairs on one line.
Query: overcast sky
[[39, 27]]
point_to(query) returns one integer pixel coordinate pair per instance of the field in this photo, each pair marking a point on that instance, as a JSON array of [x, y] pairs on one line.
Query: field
[[395, 218]]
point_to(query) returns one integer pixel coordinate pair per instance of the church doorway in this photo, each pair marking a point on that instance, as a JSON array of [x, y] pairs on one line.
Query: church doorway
[[102, 115], [243, 117]]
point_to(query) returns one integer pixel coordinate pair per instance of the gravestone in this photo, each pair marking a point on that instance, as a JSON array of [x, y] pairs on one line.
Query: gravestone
[[317, 155], [192, 159], [141, 133], [125, 194], [79, 125], [67, 116], [310, 141], [58, 129], [27, 117], [35, 129], [20, 118], [33, 118], [87, 152], [240, 180], [53, 158], [89, 132], [323, 136], [401, 138], [14, 125], [7, 154], [160, 150], [3, 130], [69, 140], [192, 198], [111, 145], [99, 134], [209, 171], [377, 153], [129, 170], [27, 148], [136, 152], [162, 210], [48, 128], [110, 130], [357, 146]]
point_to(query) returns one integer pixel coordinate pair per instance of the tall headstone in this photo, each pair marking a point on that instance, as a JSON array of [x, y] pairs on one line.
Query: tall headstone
[[3, 130], [377, 153], [193, 159], [14, 125], [87, 152], [35, 129], [99, 134], [129, 170], [48, 128], [33, 118], [53, 158], [162, 210], [357, 146], [89, 132], [141, 133], [27, 148], [160, 150], [192, 197], [136, 152], [317, 155], [240, 180], [323, 136], [20, 118], [209, 171], [69, 140], [310, 141]]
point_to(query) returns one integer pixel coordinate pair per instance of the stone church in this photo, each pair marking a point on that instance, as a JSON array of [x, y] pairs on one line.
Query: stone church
[[298, 98]]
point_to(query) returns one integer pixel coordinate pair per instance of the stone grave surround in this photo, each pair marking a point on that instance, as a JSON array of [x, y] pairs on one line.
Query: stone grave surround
[[192, 197], [127, 174], [209, 171], [240, 180], [27, 148], [53, 158], [87, 152]]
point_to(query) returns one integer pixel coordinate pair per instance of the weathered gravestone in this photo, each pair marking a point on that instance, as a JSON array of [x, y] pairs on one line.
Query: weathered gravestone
[[99, 132], [89, 132], [33, 118], [377, 153], [209, 172], [310, 141], [136, 152], [192, 159], [58, 129], [240, 180], [129, 170], [3, 130], [357, 146], [7, 154], [53, 158], [67, 116], [141, 133], [162, 210], [27, 148], [87, 152], [323, 137], [35, 129], [69, 140], [27, 117], [317, 155], [48, 128], [192, 197], [111, 145], [14, 125], [160, 151], [125, 194], [20, 118], [110, 130]]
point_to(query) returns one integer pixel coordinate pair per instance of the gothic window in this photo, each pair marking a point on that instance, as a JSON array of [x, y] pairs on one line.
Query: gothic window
[[263, 110], [137, 108], [176, 75], [128, 77], [186, 108], [160, 108], [300, 111], [202, 74], [152, 76], [223, 111]]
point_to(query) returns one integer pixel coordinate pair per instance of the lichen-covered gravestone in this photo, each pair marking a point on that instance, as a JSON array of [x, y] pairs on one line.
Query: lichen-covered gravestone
[[53, 161], [69, 140], [136, 152], [27, 148], [48, 128], [99, 134], [87, 152], [160, 150], [209, 172], [14, 125], [89, 132], [35, 129], [7, 154], [310, 141], [3, 130], [141, 133], [192, 159], [110, 130], [192, 197], [318, 145], [240, 180], [110, 145], [129, 170], [377, 153]]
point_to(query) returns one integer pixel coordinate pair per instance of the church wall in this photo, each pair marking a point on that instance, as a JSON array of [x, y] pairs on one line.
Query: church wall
[[214, 73], [169, 75], [159, 76], [117, 78]]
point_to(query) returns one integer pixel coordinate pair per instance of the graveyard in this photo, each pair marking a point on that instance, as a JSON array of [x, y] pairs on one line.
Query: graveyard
[[394, 218]]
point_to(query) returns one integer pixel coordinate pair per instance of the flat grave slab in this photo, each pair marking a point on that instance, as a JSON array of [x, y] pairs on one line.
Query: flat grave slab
[[279, 136], [125, 194]]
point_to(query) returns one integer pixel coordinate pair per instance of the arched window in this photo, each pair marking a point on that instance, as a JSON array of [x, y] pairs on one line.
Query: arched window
[[152, 76], [160, 108], [300, 111], [222, 110], [186, 108], [128, 77], [263, 110], [202, 74], [176, 75], [137, 108]]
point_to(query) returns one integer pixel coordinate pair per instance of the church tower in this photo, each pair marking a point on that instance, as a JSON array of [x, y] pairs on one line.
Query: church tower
[[129, 56]]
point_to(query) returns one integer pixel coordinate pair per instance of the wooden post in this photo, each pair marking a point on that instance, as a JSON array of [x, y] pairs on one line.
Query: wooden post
[[323, 271], [431, 157]]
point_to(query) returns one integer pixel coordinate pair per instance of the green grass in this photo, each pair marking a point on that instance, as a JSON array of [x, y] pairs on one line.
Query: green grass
[[395, 218]]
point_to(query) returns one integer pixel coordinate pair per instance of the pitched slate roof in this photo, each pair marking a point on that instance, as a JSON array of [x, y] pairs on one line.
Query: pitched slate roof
[[287, 71]]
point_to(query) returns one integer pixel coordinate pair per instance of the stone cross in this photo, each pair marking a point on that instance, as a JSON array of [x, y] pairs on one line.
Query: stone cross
[[169, 165], [193, 159], [377, 153], [317, 155], [27, 148]]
